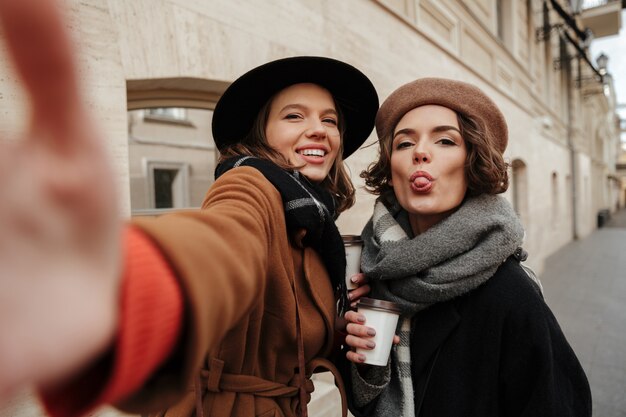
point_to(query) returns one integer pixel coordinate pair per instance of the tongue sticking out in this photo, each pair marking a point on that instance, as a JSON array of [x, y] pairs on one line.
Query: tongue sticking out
[[422, 184]]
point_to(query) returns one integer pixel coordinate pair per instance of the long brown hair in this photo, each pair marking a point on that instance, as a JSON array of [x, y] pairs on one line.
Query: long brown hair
[[485, 169], [255, 143]]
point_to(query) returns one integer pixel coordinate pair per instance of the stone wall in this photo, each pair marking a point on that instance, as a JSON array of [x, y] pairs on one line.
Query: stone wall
[[126, 43], [392, 41]]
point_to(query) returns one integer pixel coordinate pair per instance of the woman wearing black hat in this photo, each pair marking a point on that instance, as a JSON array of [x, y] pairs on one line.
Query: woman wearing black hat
[[477, 338], [224, 311]]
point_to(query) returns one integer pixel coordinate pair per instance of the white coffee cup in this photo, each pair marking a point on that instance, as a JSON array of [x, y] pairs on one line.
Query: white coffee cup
[[353, 245], [382, 316]]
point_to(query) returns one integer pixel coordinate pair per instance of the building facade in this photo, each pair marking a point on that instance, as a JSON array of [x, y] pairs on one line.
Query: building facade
[[152, 71]]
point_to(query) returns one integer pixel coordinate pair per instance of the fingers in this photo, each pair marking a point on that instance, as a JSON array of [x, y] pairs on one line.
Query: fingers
[[358, 279], [358, 343], [354, 317], [357, 293], [355, 357], [356, 325], [62, 139], [362, 288], [42, 54], [359, 335]]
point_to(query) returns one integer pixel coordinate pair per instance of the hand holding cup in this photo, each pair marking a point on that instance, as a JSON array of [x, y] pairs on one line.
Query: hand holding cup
[[365, 339]]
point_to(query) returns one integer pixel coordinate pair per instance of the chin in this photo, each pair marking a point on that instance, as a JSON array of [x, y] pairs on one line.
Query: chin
[[314, 176]]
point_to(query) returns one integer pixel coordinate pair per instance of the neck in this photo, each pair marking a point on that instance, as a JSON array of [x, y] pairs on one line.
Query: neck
[[422, 222]]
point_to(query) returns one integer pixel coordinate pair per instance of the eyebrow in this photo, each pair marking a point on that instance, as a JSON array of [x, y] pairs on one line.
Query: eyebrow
[[303, 107], [436, 129]]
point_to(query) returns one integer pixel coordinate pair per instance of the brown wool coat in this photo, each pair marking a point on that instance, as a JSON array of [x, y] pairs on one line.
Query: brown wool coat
[[237, 266]]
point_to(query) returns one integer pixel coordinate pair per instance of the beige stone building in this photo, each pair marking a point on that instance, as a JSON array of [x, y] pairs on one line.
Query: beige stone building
[[152, 71]]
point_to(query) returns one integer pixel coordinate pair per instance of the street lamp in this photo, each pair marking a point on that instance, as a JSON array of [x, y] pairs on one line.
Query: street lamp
[[602, 61]]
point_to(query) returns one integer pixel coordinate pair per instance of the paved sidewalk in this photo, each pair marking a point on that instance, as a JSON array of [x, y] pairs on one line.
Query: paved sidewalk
[[585, 286], [617, 219]]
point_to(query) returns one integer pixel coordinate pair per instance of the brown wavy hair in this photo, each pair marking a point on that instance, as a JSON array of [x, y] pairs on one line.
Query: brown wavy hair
[[485, 169], [255, 143]]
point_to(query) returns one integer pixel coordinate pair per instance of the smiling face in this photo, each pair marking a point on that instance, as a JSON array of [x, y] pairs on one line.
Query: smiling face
[[303, 127], [428, 157]]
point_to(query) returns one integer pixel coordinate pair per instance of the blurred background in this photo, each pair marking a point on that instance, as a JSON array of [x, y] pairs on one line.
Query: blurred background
[[152, 71]]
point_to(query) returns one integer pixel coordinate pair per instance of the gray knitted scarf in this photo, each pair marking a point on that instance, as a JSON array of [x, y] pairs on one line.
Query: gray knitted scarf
[[451, 258]]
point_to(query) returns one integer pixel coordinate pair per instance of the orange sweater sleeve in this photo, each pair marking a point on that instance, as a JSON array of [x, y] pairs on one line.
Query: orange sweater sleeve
[[151, 304]]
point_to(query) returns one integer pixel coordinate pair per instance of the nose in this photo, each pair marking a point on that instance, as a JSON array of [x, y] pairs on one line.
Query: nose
[[421, 156], [316, 130]]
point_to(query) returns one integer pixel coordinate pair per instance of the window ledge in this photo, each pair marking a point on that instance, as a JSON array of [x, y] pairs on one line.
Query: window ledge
[[151, 118]]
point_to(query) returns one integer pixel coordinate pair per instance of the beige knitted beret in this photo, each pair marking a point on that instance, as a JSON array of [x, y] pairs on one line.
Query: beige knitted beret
[[455, 95]]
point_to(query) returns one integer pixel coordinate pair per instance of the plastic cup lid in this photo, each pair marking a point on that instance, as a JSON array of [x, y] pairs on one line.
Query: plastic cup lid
[[372, 303], [351, 239]]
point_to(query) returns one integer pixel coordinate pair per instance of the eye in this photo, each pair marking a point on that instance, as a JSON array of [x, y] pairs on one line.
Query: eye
[[330, 121], [403, 144], [446, 141], [293, 116]]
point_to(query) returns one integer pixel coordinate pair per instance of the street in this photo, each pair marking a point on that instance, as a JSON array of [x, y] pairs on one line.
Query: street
[[585, 286]]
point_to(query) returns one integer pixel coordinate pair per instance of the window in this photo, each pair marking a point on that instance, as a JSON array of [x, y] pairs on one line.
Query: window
[[171, 164], [504, 22], [171, 152], [175, 113], [163, 187], [168, 184]]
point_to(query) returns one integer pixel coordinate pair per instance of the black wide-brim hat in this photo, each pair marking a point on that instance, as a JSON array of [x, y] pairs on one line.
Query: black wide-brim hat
[[353, 92]]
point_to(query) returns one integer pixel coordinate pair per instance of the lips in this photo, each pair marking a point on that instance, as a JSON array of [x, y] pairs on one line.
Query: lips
[[421, 182]]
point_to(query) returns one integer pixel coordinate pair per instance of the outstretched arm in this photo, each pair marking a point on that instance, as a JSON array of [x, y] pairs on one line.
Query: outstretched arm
[[60, 239]]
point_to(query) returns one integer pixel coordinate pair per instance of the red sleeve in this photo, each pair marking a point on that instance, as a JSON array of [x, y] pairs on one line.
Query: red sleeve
[[149, 327]]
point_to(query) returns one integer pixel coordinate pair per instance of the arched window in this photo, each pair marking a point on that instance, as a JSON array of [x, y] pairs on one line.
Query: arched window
[[519, 188], [172, 155]]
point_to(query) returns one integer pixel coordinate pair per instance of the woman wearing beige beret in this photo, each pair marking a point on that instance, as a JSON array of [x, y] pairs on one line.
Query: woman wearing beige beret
[[477, 338]]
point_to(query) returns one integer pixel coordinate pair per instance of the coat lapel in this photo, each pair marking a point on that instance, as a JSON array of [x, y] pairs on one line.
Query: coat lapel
[[319, 284]]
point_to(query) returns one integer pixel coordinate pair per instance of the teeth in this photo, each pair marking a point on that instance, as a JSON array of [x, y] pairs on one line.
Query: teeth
[[313, 152]]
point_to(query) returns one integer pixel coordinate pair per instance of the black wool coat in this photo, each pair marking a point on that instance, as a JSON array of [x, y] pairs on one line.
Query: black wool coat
[[497, 351]]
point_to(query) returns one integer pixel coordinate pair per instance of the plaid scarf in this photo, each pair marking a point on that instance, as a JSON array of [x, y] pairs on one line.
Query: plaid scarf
[[307, 206], [450, 259]]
